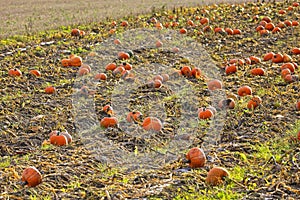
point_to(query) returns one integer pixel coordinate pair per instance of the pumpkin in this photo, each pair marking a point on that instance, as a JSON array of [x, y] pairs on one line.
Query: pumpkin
[[244, 91], [66, 62], [58, 139], [286, 58], [254, 102], [289, 65], [68, 136], [226, 103], [82, 33], [259, 28], [204, 21], [158, 43], [14, 72], [196, 157], [264, 32], [295, 23], [133, 116], [196, 73], [296, 51], [237, 32], [214, 84], [229, 31], [267, 19], [83, 71], [281, 12], [76, 61], [254, 60], [230, 69], [277, 58], [87, 67], [219, 30], [270, 26], [118, 70], [50, 90], [111, 67], [204, 113], [257, 71], [35, 72], [159, 25], [190, 22], [108, 109], [186, 71], [295, 4], [182, 31], [152, 123], [276, 29], [165, 77], [207, 29], [290, 78], [100, 76], [127, 66], [158, 77], [108, 122], [31, 177], [123, 55], [216, 176], [285, 72], [124, 23], [281, 25], [117, 41], [268, 56], [75, 32], [287, 23]]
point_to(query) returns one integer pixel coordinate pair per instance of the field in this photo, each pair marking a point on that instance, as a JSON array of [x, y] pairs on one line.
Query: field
[[171, 57]]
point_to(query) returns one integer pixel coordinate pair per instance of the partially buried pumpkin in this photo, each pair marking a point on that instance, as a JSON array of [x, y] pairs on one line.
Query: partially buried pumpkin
[[216, 176], [108, 122]]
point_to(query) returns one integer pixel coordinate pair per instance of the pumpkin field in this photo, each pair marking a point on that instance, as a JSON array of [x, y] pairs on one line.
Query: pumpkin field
[[198, 102]]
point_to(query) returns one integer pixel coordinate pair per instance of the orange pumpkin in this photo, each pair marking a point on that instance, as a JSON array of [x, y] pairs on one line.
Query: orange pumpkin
[[229, 31], [290, 66], [204, 21], [281, 12], [100, 76], [186, 71], [196, 157], [287, 58], [152, 123], [196, 73], [66, 62], [111, 67], [76, 61], [58, 139], [295, 4], [108, 109], [277, 58], [298, 105], [254, 102], [108, 122], [285, 72], [31, 177], [254, 60], [182, 31], [276, 29], [270, 26], [35, 72], [296, 51], [295, 23], [244, 91], [259, 28], [267, 19], [119, 70], [133, 116], [288, 23], [216, 176], [257, 71], [123, 55], [214, 85], [237, 32], [268, 56], [230, 69], [124, 23], [204, 113], [75, 32], [158, 77], [50, 90], [14, 72], [127, 66]]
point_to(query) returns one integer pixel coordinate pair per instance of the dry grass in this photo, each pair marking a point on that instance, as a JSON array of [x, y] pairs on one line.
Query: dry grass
[[21, 17]]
